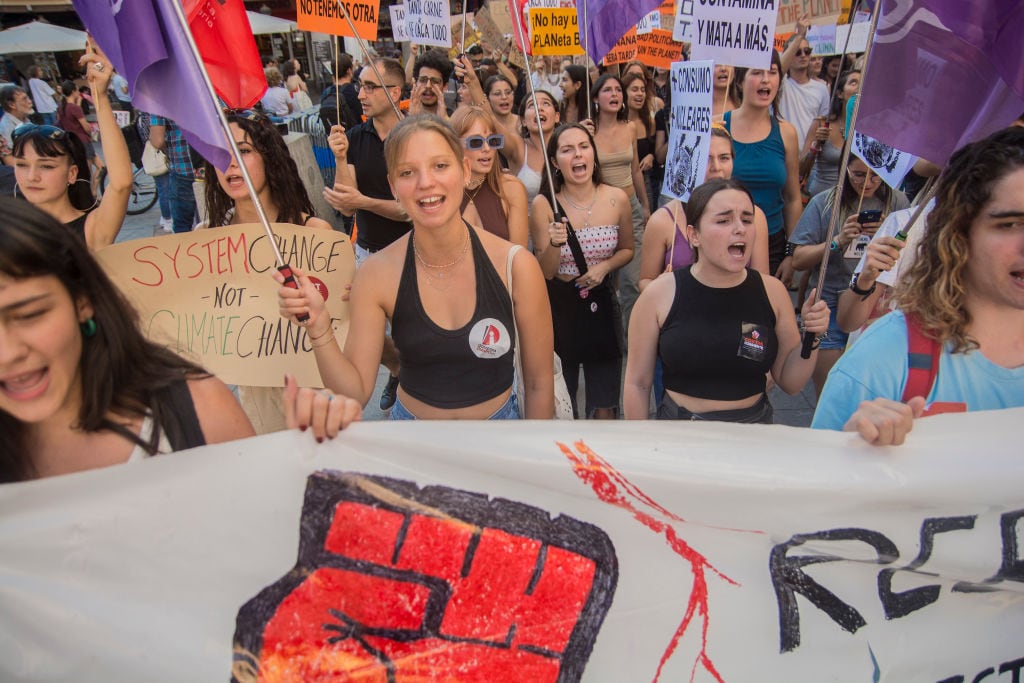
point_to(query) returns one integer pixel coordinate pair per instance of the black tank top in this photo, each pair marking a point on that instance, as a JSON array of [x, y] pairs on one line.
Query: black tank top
[[455, 368], [718, 343], [78, 225]]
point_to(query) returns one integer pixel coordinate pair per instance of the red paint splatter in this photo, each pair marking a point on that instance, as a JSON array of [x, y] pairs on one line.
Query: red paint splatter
[[612, 487]]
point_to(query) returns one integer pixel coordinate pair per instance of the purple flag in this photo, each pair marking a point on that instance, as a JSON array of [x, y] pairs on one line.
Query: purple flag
[[943, 73], [605, 21], [146, 43]]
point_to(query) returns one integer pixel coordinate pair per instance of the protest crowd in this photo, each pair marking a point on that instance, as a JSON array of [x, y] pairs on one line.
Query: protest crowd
[[532, 239]]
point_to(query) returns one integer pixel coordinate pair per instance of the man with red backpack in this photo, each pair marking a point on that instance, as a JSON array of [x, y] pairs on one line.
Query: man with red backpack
[[956, 341]]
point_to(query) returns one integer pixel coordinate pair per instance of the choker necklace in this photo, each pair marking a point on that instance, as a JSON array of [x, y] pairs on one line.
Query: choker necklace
[[440, 279], [589, 208]]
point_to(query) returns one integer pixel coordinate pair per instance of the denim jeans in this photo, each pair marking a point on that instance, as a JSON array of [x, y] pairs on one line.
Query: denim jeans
[[509, 411], [183, 202], [163, 193], [49, 118]]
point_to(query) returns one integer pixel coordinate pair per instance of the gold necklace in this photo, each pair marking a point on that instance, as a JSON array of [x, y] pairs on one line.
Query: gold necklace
[[473, 191], [440, 280]]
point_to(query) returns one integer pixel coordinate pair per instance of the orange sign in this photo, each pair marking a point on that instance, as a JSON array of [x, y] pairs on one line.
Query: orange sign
[[624, 50], [328, 16], [780, 41], [657, 49]]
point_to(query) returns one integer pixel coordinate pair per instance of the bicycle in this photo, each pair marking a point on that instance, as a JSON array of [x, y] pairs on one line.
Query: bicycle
[[143, 195]]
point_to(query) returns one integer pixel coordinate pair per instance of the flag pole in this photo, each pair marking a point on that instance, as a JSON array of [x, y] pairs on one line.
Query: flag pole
[[462, 40], [337, 91], [808, 340], [373, 63], [283, 267], [518, 18], [586, 56]]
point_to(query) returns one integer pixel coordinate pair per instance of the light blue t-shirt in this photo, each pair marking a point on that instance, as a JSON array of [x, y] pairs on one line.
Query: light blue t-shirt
[[876, 366]]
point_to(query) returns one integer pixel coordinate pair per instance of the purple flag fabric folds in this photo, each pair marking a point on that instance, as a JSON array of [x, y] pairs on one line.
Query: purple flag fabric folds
[[942, 74], [146, 44], [605, 21]]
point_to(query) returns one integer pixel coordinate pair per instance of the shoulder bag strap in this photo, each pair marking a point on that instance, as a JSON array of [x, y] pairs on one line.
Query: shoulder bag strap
[[574, 243], [922, 361]]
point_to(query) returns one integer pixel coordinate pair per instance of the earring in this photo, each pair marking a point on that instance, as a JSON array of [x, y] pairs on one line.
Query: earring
[[88, 328], [14, 192], [95, 199]]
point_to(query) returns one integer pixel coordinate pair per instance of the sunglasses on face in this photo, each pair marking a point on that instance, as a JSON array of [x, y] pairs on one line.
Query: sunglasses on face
[[476, 142], [805, 51], [47, 131]]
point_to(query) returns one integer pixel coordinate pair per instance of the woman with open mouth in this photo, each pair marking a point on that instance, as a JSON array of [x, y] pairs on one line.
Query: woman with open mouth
[[457, 298], [767, 159], [578, 256], [51, 167], [615, 137], [80, 385], [494, 200], [275, 176], [717, 326]]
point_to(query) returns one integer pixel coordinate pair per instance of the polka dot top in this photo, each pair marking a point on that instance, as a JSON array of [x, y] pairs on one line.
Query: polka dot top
[[598, 242]]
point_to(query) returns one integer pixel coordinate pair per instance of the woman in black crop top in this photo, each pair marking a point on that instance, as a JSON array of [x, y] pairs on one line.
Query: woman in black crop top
[[717, 326], [443, 288]]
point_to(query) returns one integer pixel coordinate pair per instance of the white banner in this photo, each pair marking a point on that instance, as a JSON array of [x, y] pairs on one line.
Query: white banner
[[822, 39], [550, 551], [689, 136], [858, 37], [891, 164], [648, 23], [398, 23], [730, 35], [428, 22], [682, 29]]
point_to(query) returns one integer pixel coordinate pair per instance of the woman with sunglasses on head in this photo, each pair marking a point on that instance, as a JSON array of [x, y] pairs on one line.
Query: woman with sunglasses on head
[[862, 192], [52, 168], [80, 385], [717, 326], [494, 200], [578, 265], [445, 289], [767, 159]]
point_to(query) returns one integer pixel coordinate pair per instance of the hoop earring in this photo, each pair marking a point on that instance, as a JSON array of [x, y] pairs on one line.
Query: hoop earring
[[88, 328], [14, 192], [95, 198]]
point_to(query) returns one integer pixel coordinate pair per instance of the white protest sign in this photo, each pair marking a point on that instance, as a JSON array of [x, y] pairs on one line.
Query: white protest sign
[[648, 23], [398, 23], [682, 30], [478, 551], [731, 35], [891, 164], [689, 138], [822, 39], [428, 22], [858, 37]]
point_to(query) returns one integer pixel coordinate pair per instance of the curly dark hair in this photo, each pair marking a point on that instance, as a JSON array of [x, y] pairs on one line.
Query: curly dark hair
[[121, 371], [434, 59], [933, 290], [283, 180]]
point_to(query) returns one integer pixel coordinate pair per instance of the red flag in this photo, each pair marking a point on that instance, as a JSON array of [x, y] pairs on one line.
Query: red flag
[[222, 33]]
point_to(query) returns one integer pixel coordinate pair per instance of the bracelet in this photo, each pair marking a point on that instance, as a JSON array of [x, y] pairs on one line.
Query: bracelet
[[328, 339], [790, 248], [862, 293], [556, 246], [817, 339], [329, 330], [833, 246]]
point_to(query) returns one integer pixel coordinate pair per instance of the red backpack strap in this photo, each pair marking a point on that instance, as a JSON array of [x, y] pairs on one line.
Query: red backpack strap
[[922, 361]]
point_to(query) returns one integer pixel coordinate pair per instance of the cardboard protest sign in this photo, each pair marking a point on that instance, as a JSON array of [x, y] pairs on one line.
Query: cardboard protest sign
[[858, 37], [624, 50], [324, 16], [739, 36], [689, 137], [819, 11], [428, 22], [822, 40], [398, 29], [208, 295], [554, 32], [568, 551], [683, 25], [657, 49]]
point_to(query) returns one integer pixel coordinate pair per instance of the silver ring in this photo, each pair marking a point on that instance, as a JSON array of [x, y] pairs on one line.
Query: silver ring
[[99, 66], [328, 394]]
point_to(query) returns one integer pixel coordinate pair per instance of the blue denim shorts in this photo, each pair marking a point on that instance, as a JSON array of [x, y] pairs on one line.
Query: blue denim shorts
[[835, 338], [509, 411]]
